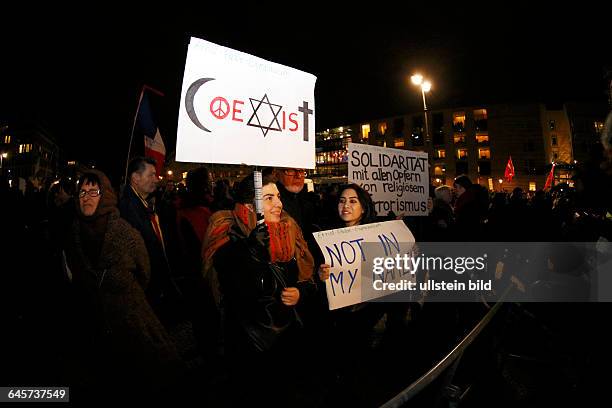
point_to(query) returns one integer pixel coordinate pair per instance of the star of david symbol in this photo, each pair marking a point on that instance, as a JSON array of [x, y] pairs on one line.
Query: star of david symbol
[[274, 111]]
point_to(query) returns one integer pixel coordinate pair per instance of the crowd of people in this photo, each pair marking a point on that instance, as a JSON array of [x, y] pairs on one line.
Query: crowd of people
[[123, 268]]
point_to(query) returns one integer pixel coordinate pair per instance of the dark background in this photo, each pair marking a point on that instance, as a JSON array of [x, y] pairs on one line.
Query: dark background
[[80, 71]]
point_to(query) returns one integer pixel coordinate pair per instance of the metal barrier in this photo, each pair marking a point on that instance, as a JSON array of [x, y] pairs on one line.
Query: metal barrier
[[453, 358]]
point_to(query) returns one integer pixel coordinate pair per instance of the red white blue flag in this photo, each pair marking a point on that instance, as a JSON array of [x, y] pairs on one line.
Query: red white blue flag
[[153, 143]]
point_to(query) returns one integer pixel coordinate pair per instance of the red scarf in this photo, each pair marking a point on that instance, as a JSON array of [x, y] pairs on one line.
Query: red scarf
[[286, 239], [282, 246]]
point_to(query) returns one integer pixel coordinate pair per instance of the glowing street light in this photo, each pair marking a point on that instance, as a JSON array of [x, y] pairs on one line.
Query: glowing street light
[[417, 79]]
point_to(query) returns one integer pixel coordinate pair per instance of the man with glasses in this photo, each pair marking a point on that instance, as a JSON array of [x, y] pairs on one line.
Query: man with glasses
[[295, 199]]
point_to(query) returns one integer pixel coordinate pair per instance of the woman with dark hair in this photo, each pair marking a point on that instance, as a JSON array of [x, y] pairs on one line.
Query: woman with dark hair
[[264, 272], [355, 207], [124, 343]]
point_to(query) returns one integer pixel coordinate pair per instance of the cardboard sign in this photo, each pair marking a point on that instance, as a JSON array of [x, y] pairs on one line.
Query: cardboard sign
[[398, 180], [239, 109], [351, 251]]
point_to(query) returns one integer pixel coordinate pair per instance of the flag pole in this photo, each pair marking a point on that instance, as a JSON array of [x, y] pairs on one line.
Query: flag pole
[[150, 88], [127, 160], [145, 87], [257, 184]]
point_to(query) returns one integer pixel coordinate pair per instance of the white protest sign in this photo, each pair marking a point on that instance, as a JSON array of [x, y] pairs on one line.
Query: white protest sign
[[398, 180], [348, 250], [239, 109]]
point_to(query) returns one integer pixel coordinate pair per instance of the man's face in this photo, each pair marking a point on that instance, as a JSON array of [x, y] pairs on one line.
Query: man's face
[[293, 179], [145, 182], [459, 190]]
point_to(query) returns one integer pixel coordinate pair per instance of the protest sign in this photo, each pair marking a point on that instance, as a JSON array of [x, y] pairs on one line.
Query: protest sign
[[398, 180], [350, 253], [240, 109]]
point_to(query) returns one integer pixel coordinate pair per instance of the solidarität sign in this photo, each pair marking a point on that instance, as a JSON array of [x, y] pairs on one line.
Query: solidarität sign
[[398, 180], [236, 108], [351, 251]]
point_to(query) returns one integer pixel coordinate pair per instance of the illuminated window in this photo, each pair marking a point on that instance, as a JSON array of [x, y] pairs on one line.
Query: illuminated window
[[399, 142], [480, 114], [491, 184], [484, 154], [184, 175], [482, 138], [532, 186], [553, 140], [382, 128], [365, 131], [441, 153], [459, 138], [21, 148], [459, 122], [462, 153], [598, 127], [7, 139], [439, 171]]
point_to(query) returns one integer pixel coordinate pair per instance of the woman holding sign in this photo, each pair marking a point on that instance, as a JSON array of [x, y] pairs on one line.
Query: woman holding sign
[[265, 271], [353, 325], [355, 207]]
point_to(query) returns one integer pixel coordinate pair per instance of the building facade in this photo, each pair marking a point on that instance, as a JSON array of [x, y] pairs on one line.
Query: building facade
[[28, 152], [477, 141]]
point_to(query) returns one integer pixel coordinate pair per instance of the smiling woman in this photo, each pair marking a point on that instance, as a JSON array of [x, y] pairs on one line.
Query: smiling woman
[[265, 275]]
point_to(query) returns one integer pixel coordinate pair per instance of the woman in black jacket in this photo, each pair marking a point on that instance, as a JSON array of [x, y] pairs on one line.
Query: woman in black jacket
[[264, 273]]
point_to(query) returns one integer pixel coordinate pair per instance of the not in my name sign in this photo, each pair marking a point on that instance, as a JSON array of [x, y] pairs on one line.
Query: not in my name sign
[[351, 251]]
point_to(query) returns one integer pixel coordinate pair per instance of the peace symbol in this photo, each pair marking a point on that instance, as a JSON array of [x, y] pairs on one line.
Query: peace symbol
[[219, 107]]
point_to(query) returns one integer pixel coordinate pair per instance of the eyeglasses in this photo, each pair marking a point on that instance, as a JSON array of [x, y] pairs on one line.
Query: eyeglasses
[[295, 173], [91, 193]]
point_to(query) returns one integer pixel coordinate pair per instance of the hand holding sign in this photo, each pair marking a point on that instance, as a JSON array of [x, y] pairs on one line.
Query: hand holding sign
[[349, 254], [324, 272]]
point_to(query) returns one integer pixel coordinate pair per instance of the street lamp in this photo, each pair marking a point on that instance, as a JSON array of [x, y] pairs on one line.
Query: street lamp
[[417, 79], [2, 157]]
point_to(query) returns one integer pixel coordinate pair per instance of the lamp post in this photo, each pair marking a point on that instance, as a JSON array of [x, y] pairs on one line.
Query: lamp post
[[425, 85], [2, 157], [417, 79]]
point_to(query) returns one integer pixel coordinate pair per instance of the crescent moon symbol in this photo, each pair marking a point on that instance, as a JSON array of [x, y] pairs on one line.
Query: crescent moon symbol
[[189, 96]]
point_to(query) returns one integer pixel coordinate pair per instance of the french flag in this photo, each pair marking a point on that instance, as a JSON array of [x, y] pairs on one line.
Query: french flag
[[153, 143]]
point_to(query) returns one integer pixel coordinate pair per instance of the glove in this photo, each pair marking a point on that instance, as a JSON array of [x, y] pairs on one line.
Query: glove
[[259, 242]]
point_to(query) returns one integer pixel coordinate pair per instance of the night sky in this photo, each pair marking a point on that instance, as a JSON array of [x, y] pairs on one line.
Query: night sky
[[82, 75]]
